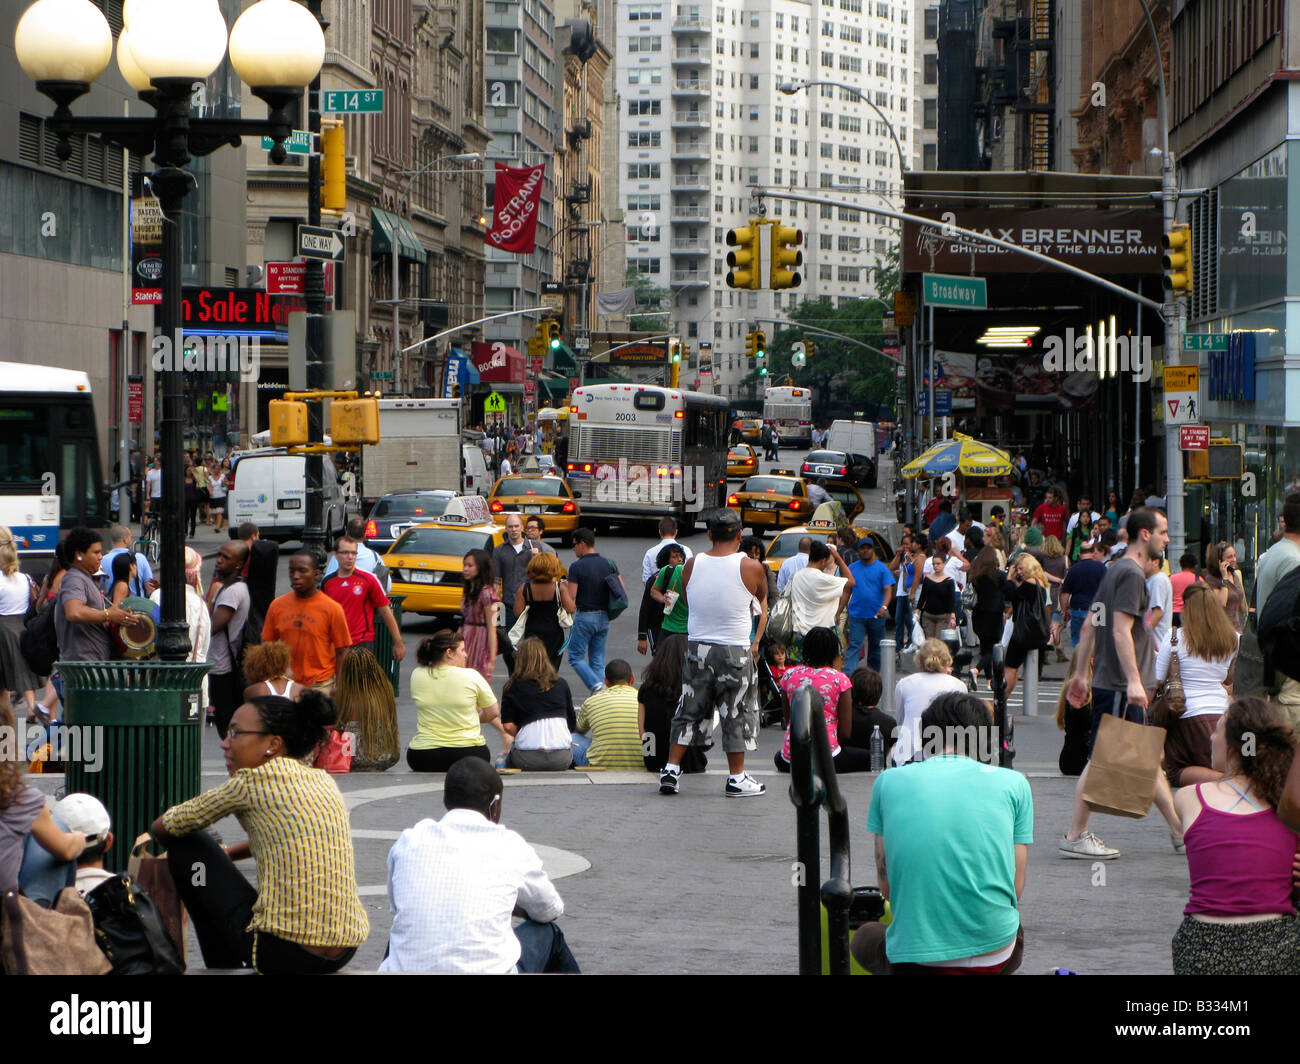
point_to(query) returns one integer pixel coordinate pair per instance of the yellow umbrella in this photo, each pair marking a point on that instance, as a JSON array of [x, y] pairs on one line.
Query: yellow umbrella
[[961, 454]]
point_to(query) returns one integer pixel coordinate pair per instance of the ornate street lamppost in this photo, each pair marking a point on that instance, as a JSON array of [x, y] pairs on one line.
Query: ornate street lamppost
[[276, 47]]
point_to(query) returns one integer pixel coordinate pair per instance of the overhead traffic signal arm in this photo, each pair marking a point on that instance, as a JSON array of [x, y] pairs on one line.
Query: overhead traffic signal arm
[[1177, 260], [744, 259]]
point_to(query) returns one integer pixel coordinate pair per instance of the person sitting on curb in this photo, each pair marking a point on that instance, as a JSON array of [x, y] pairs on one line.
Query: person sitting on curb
[[454, 883], [952, 840], [607, 734]]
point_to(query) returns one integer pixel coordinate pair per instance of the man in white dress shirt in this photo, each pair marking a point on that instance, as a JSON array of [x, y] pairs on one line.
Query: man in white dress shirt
[[454, 883], [792, 565], [667, 537]]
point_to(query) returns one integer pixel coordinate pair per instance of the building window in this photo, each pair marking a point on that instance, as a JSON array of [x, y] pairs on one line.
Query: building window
[[824, 241], [776, 176], [851, 62], [930, 111], [850, 154], [931, 30], [642, 171], [847, 273], [826, 210], [930, 157], [931, 69], [643, 203], [780, 20], [824, 272], [644, 107], [780, 51], [828, 59], [643, 234], [643, 139], [849, 243], [645, 44], [645, 13], [753, 50]]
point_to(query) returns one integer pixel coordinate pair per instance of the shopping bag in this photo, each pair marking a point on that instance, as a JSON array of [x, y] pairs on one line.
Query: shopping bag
[[57, 941], [1123, 769], [918, 632], [780, 621], [151, 873], [335, 753]]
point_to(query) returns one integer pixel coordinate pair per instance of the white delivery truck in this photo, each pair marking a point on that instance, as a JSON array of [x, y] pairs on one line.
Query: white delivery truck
[[856, 437], [419, 449], [270, 490]]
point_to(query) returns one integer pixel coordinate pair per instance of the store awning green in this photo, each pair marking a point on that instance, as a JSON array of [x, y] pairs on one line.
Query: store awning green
[[553, 387], [562, 359], [381, 240]]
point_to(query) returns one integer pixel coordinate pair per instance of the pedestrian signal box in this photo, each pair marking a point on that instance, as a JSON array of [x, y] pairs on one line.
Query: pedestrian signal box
[[288, 423], [354, 421]]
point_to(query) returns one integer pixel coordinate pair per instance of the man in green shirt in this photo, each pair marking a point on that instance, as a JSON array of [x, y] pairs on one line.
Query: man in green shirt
[[667, 589], [607, 734], [952, 839]]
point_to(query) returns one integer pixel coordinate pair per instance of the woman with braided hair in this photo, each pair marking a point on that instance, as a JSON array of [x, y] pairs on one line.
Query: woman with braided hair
[[1240, 918]]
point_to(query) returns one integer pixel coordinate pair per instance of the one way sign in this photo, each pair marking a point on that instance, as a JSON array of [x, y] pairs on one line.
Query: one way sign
[[315, 242]]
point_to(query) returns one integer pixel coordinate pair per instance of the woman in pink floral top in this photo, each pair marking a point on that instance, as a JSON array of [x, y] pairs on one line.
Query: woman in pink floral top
[[821, 648], [479, 605]]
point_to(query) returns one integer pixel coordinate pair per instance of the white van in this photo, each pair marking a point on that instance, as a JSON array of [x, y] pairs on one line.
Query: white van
[[855, 437], [478, 480], [270, 490]]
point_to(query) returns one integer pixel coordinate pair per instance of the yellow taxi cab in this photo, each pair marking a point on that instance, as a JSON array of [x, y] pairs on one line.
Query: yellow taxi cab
[[742, 460], [772, 500], [426, 561], [535, 493], [821, 527], [750, 428]]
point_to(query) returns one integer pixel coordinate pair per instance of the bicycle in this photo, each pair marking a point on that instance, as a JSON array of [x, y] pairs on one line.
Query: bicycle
[[150, 538]]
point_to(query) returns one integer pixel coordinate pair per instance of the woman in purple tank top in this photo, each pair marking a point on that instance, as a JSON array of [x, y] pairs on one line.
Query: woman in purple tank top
[[1241, 916]]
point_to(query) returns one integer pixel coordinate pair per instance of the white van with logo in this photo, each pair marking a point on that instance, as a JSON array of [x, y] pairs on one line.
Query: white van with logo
[[270, 490]]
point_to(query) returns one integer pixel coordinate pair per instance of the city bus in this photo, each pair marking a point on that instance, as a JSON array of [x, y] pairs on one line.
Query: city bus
[[789, 410], [51, 478], [640, 451]]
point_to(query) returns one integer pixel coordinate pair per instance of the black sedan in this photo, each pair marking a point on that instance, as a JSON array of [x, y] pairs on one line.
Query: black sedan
[[823, 466], [394, 513]]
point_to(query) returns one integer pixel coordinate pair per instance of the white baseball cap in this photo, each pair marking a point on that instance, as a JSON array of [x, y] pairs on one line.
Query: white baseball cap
[[84, 813]]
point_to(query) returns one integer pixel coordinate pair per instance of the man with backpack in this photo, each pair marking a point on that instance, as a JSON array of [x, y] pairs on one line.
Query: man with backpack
[[589, 584], [229, 604]]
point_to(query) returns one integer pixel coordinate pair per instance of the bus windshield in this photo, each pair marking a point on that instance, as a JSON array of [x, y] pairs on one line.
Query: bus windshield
[[24, 444]]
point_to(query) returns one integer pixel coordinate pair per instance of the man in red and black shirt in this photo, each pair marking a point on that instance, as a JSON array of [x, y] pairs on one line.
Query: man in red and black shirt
[[1051, 515], [361, 596]]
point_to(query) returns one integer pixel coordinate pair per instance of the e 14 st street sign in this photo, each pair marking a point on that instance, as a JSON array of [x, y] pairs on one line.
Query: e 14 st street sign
[[352, 101]]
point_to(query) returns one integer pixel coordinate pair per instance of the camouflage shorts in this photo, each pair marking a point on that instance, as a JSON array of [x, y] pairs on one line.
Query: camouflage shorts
[[717, 682]]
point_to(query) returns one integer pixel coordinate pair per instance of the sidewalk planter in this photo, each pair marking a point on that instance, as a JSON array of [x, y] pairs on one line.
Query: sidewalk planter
[[148, 733], [384, 645]]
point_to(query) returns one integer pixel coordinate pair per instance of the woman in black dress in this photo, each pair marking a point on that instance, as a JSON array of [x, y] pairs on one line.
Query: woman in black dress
[[542, 594], [657, 698], [989, 614]]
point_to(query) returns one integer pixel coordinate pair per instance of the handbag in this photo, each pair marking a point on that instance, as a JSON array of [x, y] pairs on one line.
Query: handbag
[[563, 616], [152, 874], [57, 941], [129, 929], [1030, 627], [334, 755], [780, 621], [1124, 767], [968, 596], [918, 631], [1168, 702], [617, 596]]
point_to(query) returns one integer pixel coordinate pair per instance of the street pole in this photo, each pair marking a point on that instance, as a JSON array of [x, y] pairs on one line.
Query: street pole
[[929, 339], [1172, 309], [318, 371]]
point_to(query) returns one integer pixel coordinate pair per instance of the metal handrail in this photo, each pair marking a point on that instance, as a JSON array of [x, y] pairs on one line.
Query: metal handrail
[[812, 785]]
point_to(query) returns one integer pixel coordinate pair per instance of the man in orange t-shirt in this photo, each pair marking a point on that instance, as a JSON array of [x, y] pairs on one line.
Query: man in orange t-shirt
[[1181, 581], [311, 623]]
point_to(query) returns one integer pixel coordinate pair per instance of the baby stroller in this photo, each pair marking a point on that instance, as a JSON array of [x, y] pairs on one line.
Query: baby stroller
[[771, 702]]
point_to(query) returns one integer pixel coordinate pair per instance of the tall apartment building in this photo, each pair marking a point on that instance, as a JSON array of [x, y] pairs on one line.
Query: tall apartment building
[[522, 73], [925, 85], [706, 127]]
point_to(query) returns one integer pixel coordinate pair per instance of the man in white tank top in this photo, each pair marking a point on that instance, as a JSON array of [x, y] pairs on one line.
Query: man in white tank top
[[719, 674]]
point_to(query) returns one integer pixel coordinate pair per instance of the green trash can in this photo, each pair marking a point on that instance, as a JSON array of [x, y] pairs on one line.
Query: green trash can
[[145, 722], [384, 644]]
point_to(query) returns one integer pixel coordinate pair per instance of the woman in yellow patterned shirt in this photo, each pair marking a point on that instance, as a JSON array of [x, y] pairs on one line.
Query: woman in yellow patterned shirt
[[305, 916]]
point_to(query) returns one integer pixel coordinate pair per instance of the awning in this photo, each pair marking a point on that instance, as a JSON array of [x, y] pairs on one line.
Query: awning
[[381, 240], [556, 389], [562, 359]]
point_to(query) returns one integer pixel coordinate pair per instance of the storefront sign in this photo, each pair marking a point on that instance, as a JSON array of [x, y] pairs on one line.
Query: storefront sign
[[135, 400], [498, 363], [1232, 372], [237, 312], [1099, 241]]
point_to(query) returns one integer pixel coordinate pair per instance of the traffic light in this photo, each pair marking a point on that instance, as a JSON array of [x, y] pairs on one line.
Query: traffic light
[[785, 253], [744, 260], [751, 344], [674, 351], [809, 348], [287, 422], [553, 335], [354, 421], [1177, 260], [334, 169], [760, 340]]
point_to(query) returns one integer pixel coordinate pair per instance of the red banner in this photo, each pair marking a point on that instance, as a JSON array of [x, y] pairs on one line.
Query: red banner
[[498, 363], [514, 208]]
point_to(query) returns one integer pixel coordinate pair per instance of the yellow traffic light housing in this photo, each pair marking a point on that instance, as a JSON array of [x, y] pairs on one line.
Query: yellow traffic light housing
[[334, 171], [751, 344], [354, 421], [744, 259], [287, 423], [785, 254], [553, 335], [760, 353], [1177, 260]]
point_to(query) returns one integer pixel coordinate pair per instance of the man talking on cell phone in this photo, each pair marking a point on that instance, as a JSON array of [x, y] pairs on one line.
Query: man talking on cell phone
[[1115, 638]]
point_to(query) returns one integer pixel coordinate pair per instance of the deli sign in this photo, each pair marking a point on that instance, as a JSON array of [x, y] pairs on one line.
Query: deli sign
[[240, 311]]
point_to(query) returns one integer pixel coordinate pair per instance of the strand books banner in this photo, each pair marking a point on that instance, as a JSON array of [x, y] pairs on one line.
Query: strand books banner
[[515, 206]]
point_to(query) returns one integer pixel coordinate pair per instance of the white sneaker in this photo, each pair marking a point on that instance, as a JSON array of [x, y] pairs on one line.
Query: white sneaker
[[1087, 847], [748, 787]]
